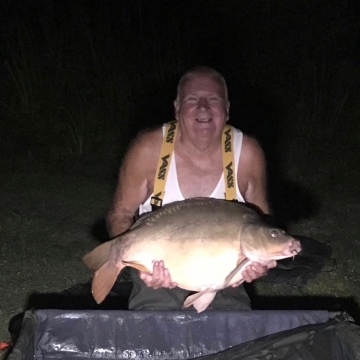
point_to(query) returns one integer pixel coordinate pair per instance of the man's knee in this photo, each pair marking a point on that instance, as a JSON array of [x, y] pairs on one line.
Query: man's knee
[[146, 298], [232, 299]]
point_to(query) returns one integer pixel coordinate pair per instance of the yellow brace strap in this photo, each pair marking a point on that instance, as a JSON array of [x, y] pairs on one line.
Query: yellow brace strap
[[167, 149], [228, 162], [164, 163]]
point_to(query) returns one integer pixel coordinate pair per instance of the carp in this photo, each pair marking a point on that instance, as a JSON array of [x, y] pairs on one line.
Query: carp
[[205, 244]]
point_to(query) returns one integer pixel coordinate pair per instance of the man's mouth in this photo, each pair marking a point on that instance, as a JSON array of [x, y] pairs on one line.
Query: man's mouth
[[203, 120]]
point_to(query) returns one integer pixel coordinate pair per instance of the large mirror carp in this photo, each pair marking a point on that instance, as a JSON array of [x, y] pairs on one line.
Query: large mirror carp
[[205, 244]]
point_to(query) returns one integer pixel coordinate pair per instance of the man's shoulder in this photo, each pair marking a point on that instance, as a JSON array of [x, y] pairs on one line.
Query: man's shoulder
[[143, 154], [250, 143], [147, 140], [251, 152]]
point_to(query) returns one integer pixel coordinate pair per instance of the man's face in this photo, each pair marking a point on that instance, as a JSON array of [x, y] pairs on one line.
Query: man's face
[[202, 106]]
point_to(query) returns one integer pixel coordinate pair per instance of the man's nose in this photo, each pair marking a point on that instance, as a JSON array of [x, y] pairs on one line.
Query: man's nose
[[203, 103]]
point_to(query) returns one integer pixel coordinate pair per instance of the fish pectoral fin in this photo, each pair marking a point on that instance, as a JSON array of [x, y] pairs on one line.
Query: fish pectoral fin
[[201, 300], [236, 272], [104, 279], [137, 266]]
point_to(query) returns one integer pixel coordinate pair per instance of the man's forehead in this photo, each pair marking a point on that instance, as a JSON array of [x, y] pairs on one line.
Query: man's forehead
[[203, 82]]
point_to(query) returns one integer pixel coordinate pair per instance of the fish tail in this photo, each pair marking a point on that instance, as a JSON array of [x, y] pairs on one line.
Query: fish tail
[[97, 257], [104, 279], [201, 300], [106, 270]]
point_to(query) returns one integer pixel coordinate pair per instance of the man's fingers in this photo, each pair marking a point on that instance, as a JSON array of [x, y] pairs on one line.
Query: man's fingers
[[167, 278], [159, 278], [152, 280], [158, 274], [147, 278], [156, 271], [168, 282], [249, 274], [256, 270]]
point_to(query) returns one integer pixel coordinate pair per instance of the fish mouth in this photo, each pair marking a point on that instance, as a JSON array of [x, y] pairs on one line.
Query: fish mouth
[[295, 252], [294, 247], [291, 249]]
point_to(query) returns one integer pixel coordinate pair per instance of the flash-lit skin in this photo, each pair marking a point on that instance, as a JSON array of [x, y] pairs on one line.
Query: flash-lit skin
[[202, 110]]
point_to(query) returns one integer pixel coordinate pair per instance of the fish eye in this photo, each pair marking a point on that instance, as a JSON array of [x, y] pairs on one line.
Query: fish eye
[[273, 233]]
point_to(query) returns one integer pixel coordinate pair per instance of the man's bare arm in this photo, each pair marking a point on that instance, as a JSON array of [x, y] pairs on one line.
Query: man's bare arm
[[252, 185], [135, 177], [252, 174], [135, 185]]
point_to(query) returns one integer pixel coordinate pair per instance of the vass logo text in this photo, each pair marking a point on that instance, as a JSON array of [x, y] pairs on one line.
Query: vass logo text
[[163, 167], [228, 140], [230, 175], [171, 133]]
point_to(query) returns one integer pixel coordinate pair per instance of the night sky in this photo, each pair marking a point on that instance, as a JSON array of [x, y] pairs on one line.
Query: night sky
[[79, 77]]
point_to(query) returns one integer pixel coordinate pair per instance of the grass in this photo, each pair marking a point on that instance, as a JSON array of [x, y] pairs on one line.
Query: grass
[[48, 217], [45, 229], [337, 223]]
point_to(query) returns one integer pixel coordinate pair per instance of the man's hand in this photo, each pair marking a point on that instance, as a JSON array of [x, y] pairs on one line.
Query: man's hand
[[159, 278], [254, 271]]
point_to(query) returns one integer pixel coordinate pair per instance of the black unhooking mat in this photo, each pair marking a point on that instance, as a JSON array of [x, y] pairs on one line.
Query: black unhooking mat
[[315, 257], [99, 334]]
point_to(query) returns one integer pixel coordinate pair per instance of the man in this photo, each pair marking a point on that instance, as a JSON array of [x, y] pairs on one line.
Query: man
[[202, 110]]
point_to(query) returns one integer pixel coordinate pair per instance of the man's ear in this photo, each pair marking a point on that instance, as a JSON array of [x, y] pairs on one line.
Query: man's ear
[[227, 110], [177, 109]]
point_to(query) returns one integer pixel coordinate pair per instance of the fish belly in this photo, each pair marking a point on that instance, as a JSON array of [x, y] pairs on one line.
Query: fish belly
[[191, 266]]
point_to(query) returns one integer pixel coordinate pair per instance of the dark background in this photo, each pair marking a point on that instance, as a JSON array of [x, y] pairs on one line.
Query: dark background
[[80, 78]]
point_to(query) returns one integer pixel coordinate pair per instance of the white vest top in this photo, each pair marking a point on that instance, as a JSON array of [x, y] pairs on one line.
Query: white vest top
[[172, 189]]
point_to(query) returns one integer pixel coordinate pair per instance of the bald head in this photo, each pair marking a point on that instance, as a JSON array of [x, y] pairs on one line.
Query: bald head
[[202, 71]]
